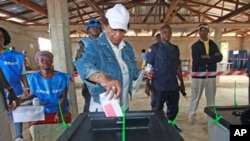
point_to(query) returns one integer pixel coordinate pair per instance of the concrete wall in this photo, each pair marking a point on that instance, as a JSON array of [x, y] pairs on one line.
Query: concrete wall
[[184, 43], [246, 44], [24, 38]]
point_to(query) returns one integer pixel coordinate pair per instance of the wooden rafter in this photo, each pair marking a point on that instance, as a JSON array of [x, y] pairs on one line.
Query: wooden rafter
[[170, 10], [178, 15], [78, 11], [234, 13], [94, 6], [158, 12], [32, 6], [150, 11]]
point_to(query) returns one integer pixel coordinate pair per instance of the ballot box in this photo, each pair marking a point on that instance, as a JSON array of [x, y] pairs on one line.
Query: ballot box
[[231, 115], [139, 126]]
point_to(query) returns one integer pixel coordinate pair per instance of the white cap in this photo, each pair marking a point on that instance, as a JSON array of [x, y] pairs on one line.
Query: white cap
[[204, 25], [118, 17]]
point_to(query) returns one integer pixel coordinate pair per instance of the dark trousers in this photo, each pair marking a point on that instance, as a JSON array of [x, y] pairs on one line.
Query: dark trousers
[[87, 96], [171, 98]]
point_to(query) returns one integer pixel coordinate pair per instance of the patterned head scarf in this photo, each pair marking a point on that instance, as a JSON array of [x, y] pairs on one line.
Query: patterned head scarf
[[40, 53]]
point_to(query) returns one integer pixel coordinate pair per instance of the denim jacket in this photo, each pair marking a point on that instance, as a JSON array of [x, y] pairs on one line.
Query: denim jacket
[[99, 57]]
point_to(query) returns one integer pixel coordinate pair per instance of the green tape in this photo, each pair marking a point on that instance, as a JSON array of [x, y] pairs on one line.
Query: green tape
[[235, 101], [216, 120], [217, 117], [173, 122], [124, 123], [63, 125]]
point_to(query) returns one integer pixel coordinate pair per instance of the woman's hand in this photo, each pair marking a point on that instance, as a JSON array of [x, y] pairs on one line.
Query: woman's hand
[[113, 88], [26, 92], [13, 100], [57, 118]]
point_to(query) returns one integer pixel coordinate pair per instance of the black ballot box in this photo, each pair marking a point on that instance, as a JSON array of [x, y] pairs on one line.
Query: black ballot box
[[139, 126], [231, 116]]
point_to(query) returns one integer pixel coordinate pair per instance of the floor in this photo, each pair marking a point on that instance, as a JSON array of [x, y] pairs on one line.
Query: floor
[[227, 88]]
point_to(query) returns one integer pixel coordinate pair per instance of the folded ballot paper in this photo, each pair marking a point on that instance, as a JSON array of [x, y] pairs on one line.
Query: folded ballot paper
[[111, 107], [137, 83]]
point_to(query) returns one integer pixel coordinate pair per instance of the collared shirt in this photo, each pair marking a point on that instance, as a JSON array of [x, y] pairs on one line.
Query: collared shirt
[[206, 44], [165, 61], [125, 72], [166, 44]]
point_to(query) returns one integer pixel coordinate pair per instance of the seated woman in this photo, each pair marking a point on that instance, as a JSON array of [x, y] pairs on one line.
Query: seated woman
[[50, 87]]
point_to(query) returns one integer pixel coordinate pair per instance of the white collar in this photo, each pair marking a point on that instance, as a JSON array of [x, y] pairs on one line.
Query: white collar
[[120, 46]]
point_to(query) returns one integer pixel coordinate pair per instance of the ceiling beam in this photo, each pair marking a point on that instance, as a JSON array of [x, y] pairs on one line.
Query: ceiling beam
[[150, 11], [232, 14], [78, 11], [94, 6], [182, 26], [32, 6], [170, 10], [178, 15]]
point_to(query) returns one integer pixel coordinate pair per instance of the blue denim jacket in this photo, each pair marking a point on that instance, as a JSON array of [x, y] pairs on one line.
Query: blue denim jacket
[[99, 57]]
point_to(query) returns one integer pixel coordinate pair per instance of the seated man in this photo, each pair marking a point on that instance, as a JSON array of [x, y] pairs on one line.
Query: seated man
[[50, 87]]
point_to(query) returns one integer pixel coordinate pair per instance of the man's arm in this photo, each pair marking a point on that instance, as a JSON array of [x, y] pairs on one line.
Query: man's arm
[[11, 97], [25, 82], [217, 56], [200, 59], [79, 50]]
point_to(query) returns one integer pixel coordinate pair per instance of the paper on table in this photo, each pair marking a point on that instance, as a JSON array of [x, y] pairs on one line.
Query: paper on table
[[111, 107], [28, 113]]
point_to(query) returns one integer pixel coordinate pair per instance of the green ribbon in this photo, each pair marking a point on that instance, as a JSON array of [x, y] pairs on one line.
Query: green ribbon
[[216, 120], [235, 102], [217, 117], [124, 123], [173, 122], [63, 125]]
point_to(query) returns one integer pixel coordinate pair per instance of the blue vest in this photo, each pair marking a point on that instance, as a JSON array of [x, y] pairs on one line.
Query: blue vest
[[49, 91], [86, 40], [12, 65]]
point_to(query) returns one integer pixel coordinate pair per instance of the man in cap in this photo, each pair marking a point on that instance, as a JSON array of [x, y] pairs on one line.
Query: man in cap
[[94, 28], [109, 64], [205, 55], [158, 37]]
